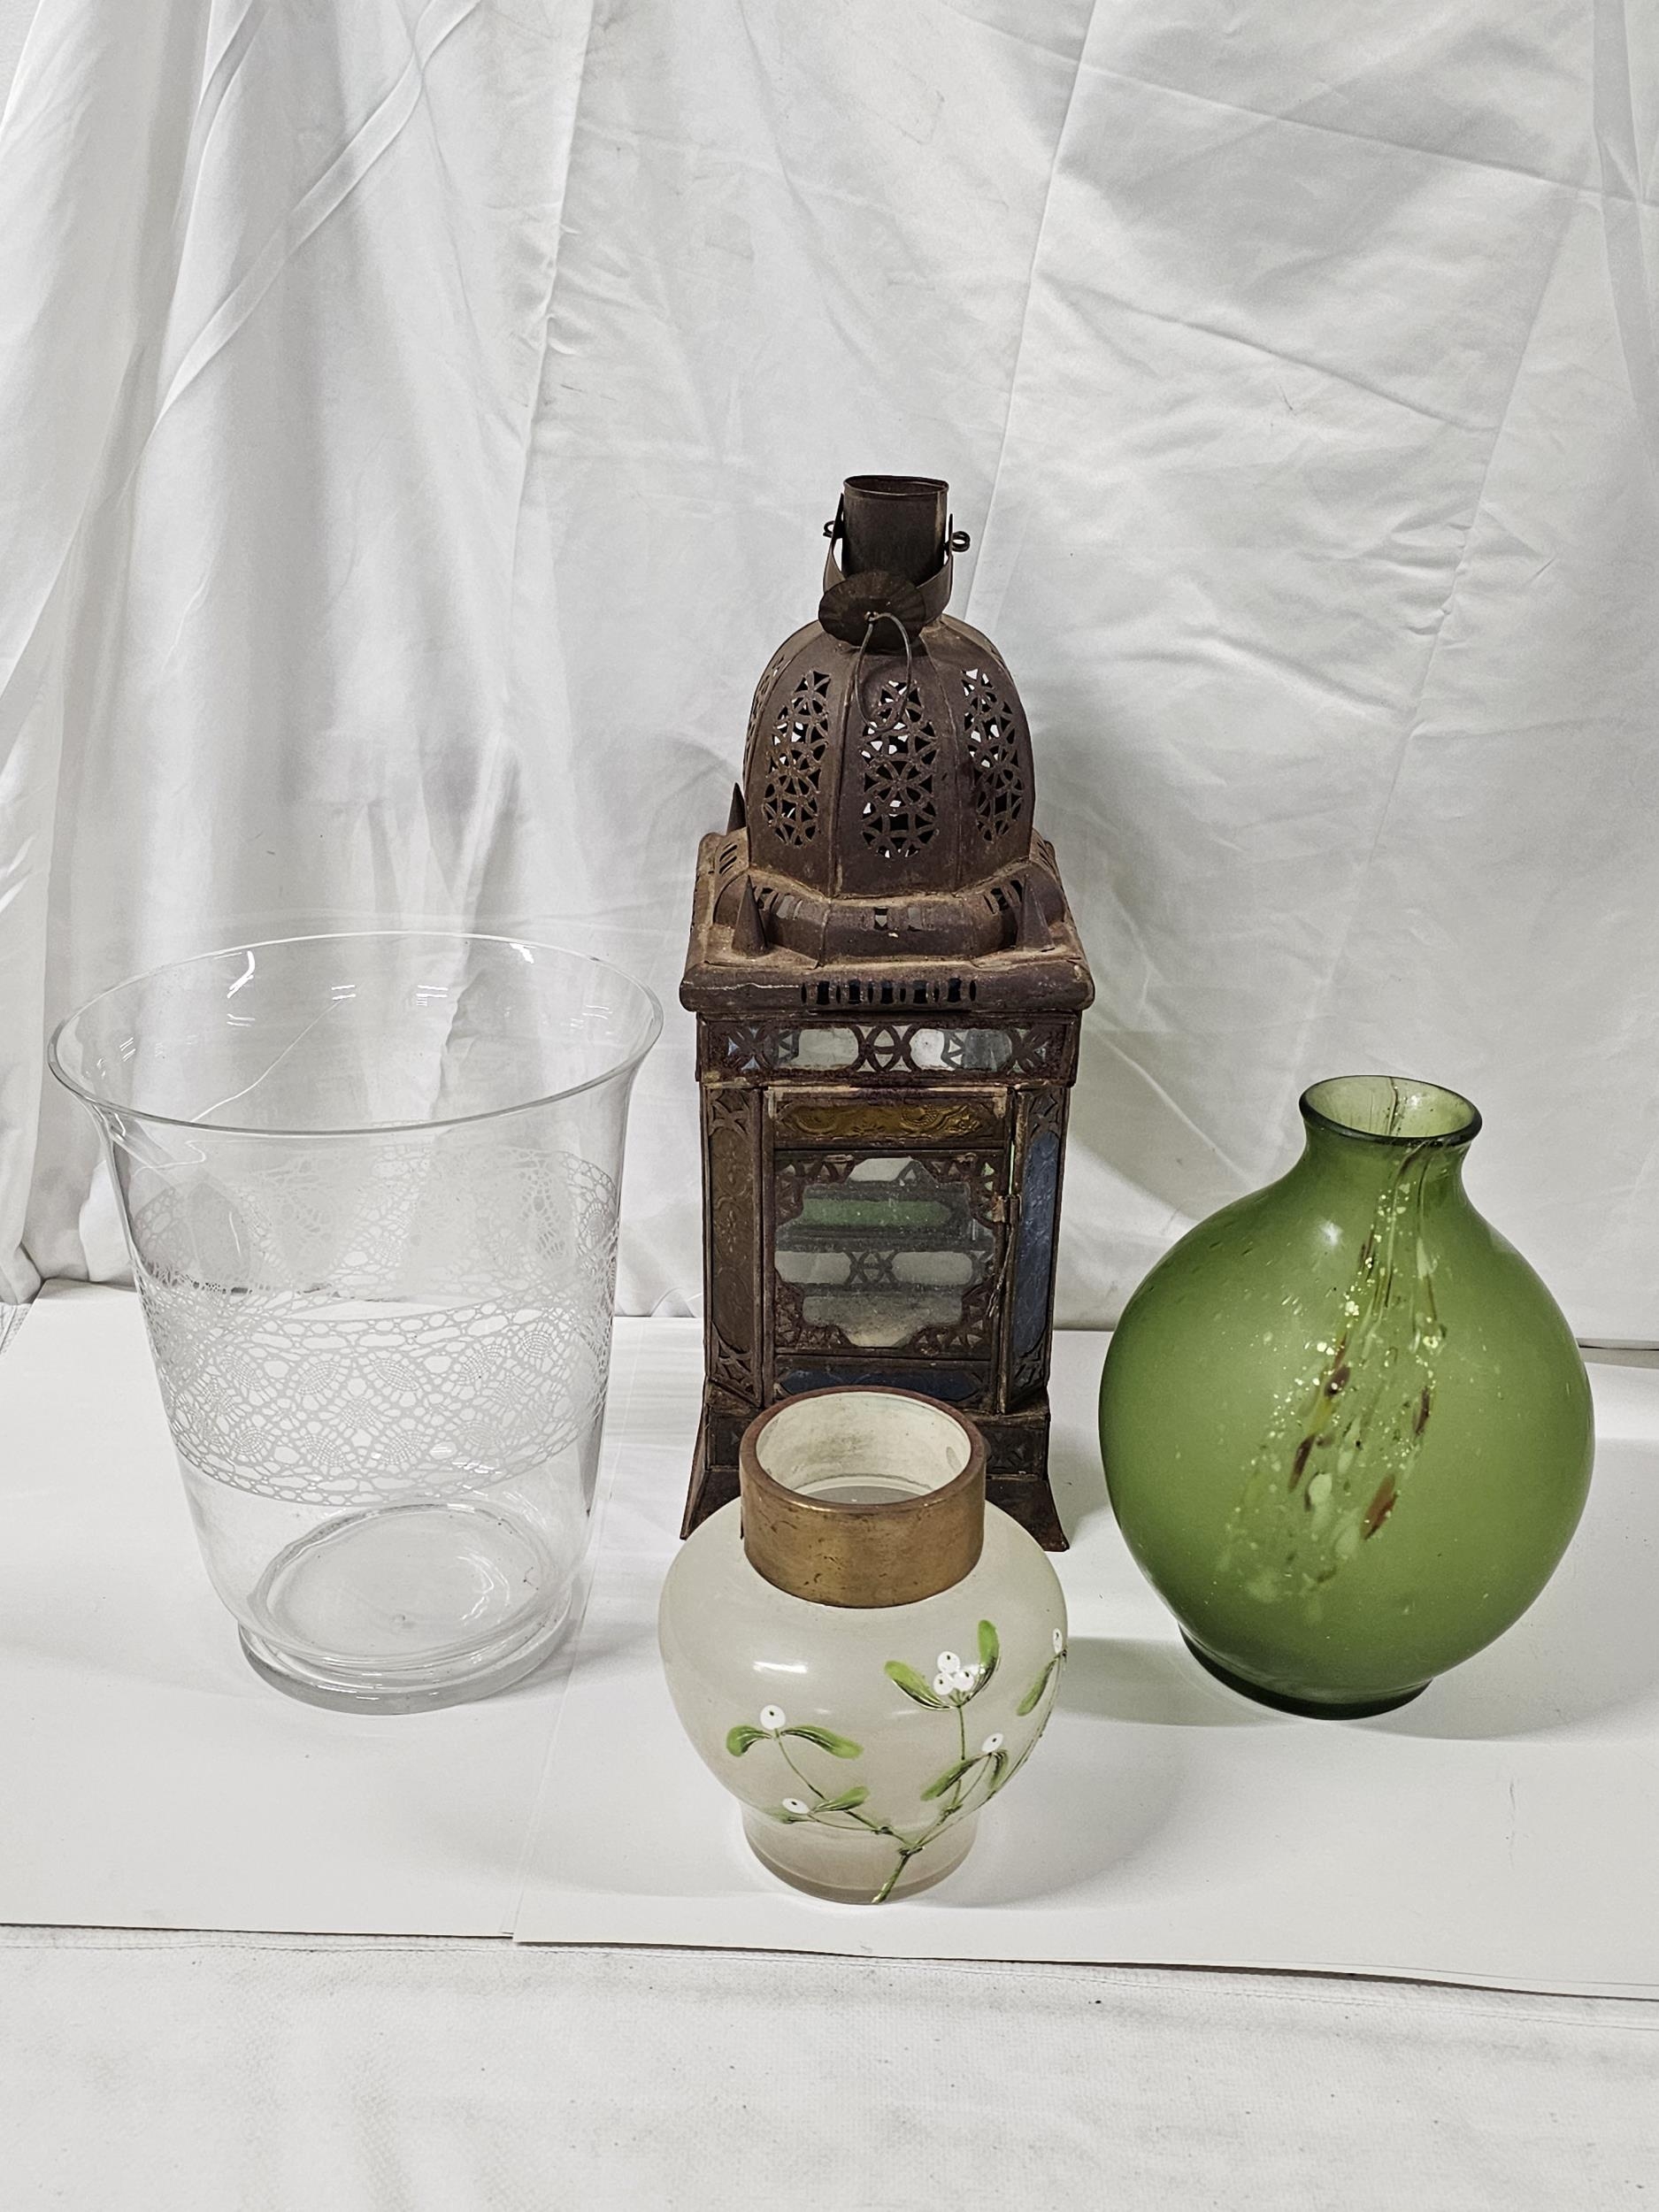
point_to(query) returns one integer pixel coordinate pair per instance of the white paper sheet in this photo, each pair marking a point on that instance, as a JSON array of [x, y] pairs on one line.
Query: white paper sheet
[[1501, 1829], [149, 1777]]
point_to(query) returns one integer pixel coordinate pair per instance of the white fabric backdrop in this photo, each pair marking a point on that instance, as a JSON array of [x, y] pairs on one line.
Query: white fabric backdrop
[[15, 17], [415, 418]]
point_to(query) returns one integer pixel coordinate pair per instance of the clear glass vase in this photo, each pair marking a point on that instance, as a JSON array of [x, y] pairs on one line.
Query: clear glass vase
[[370, 1187]]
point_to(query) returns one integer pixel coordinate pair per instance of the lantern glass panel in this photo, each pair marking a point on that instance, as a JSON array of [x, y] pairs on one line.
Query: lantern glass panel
[[970, 1051], [1038, 1206], [828, 1047], [951, 1051], [884, 1251]]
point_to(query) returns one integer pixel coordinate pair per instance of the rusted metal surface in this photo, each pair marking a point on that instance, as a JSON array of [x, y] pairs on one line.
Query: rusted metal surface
[[889, 983]]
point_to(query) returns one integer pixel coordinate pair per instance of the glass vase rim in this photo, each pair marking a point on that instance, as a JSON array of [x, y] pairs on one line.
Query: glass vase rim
[[1456, 1138], [964, 1425], [99, 1103], [871, 1554]]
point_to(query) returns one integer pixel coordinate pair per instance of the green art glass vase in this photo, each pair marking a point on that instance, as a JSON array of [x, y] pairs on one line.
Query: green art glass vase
[[1347, 1431]]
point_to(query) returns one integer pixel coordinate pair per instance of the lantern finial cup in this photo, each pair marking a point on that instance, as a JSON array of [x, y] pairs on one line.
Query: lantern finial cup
[[893, 523]]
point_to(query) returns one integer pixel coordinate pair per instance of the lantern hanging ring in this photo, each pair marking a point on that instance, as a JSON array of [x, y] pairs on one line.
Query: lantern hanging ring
[[889, 720]]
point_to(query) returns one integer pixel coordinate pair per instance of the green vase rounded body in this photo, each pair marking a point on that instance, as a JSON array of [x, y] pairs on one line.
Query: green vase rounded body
[[1347, 1431]]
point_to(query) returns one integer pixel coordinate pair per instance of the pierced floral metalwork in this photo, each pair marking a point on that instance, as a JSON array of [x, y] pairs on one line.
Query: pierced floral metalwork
[[996, 742], [1044, 1051], [732, 1223], [899, 748], [761, 699], [796, 743]]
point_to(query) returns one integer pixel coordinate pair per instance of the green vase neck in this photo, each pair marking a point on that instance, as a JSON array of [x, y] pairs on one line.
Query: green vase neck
[[1351, 1170], [1367, 1134]]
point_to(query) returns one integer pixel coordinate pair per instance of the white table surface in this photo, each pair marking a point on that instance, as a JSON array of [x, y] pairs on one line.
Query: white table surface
[[165, 1785], [1502, 1828], [301, 2072]]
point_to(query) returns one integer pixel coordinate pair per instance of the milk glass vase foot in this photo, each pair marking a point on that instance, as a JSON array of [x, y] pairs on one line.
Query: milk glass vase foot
[[861, 1650], [369, 1184], [1346, 1429]]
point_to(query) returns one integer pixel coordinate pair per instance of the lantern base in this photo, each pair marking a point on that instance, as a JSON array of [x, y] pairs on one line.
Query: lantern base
[[1016, 1477]]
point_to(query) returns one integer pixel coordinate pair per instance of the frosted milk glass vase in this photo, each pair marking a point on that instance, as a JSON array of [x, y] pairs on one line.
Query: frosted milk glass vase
[[861, 1650]]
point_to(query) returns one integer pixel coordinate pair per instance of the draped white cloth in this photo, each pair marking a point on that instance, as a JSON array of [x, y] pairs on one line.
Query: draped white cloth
[[270, 2074], [416, 416]]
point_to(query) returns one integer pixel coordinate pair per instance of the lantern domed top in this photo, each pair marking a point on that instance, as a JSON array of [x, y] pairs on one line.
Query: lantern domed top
[[887, 801], [888, 760]]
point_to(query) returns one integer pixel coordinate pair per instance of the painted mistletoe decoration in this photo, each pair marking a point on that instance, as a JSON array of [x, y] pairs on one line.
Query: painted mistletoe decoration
[[971, 1779]]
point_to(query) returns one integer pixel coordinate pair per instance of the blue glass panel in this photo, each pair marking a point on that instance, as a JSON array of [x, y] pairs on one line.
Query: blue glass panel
[[1038, 1195], [933, 1384]]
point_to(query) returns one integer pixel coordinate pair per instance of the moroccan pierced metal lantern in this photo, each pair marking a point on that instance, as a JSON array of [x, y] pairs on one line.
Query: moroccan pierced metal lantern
[[889, 988]]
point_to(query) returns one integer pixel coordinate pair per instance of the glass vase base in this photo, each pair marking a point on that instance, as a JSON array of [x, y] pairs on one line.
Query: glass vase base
[[852, 1869], [1309, 1709], [405, 1609]]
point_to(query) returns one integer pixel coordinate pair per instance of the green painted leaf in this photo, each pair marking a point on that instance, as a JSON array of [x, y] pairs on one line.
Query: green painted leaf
[[1028, 1703], [999, 1772], [912, 1684], [738, 1740], [826, 1739], [948, 1778], [990, 1651], [847, 1802]]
